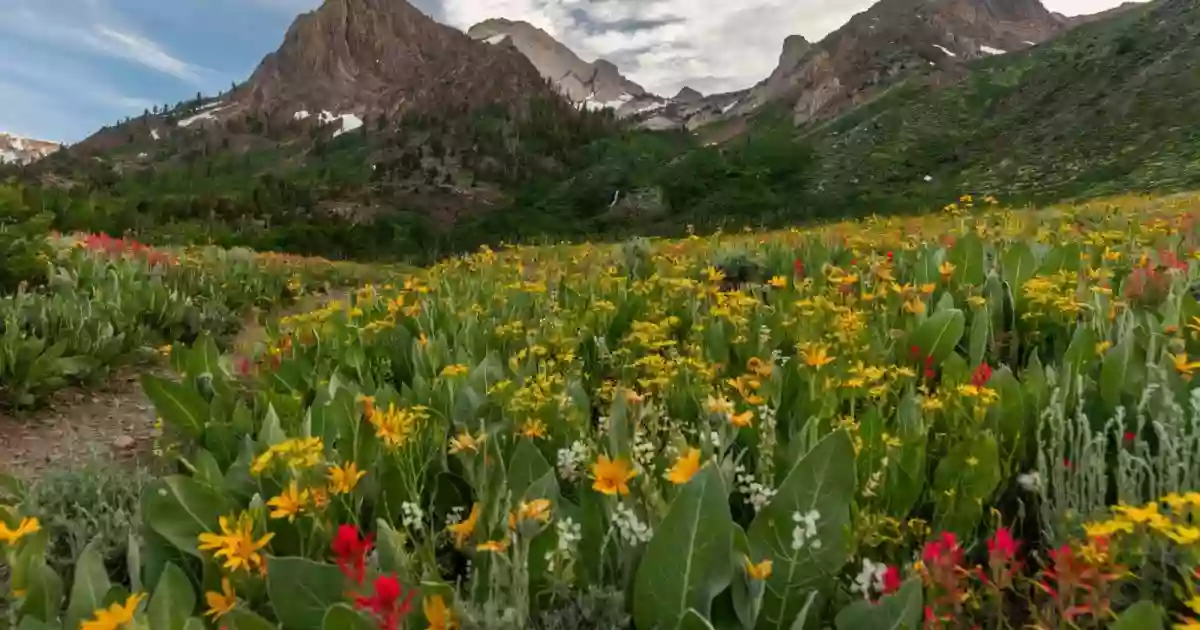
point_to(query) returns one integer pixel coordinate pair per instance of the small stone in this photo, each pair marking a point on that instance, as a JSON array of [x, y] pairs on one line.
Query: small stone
[[124, 442]]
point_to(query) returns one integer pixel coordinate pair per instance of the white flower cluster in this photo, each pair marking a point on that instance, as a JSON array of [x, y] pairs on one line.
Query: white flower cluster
[[455, 516], [1030, 481], [870, 579], [713, 438], [778, 358], [643, 451], [764, 335], [755, 493], [569, 535], [570, 461], [805, 531], [412, 516], [632, 530]]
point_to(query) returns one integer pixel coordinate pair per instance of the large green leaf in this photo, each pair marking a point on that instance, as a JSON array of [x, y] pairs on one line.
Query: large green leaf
[[1144, 615], [177, 404], [242, 619], [343, 617], [1018, 264], [801, 620], [180, 509], [91, 586], [530, 476], [689, 560], [963, 482], [302, 590], [1113, 370], [824, 481], [173, 601], [898, 611], [43, 597], [939, 334]]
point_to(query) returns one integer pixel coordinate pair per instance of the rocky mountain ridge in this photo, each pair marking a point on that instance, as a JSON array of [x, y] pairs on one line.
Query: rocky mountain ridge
[[21, 150]]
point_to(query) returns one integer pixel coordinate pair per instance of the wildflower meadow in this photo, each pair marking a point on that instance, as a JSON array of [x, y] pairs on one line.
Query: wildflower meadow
[[975, 418]]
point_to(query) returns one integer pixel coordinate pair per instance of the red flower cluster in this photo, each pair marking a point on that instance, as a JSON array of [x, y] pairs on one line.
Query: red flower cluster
[[927, 362], [892, 581], [1079, 586], [1002, 559], [388, 603], [981, 375], [121, 247], [351, 552], [798, 268], [945, 579]]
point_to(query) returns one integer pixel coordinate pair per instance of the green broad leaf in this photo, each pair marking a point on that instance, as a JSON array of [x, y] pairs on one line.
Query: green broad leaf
[[898, 611], [981, 328], [530, 476], [693, 620], [1012, 424], [33, 623], [90, 588], [302, 590], [689, 560], [967, 256], [272, 431], [963, 482], [906, 472], [173, 601], [179, 509], [1144, 615], [390, 545], [822, 481], [939, 334], [242, 619], [1018, 265], [177, 404], [1081, 351], [343, 617], [1113, 371], [43, 595], [193, 623], [802, 617]]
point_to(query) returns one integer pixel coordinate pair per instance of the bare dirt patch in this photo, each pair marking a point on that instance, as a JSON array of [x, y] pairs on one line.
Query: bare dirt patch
[[114, 421]]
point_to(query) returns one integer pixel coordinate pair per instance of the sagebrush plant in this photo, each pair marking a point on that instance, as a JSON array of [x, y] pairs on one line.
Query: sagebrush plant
[[896, 423], [91, 502]]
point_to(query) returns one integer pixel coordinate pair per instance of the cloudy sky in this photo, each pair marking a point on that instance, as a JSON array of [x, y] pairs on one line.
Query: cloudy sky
[[69, 66]]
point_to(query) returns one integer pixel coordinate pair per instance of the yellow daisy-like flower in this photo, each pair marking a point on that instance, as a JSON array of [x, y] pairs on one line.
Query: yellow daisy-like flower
[[343, 479], [742, 420], [27, 527], [291, 503], [612, 476], [778, 282], [219, 604], [816, 356], [463, 530], [236, 543], [114, 617], [451, 371], [533, 429], [685, 467], [465, 442], [757, 571], [536, 510], [438, 614]]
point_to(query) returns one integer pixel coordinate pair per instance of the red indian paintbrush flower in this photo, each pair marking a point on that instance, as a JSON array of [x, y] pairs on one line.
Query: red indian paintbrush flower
[[351, 552], [981, 375], [385, 604]]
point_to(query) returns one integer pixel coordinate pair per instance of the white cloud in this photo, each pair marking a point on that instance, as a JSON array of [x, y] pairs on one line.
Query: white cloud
[[141, 50], [713, 45]]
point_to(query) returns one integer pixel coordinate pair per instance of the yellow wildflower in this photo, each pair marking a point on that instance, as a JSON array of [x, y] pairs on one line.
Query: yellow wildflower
[[779, 282], [463, 530], [757, 571], [451, 371], [236, 543], [494, 546], [1183, 366], [438, 614], [612, 476], [219, 604], [685, 467], [816, 356], [290, 503], [27, 527], [464, 442], [115, 616], [533, 428], [536, 510], [343, 479]]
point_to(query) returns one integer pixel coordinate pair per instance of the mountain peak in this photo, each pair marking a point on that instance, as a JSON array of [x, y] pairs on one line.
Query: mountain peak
[[378, 57], [687, 95]]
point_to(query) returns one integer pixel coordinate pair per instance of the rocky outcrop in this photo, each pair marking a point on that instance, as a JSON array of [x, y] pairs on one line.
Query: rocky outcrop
[[19, 150], [895, 39], [594, 85]]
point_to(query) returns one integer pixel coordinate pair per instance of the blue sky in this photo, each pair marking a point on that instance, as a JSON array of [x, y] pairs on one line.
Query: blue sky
[[67, 67]]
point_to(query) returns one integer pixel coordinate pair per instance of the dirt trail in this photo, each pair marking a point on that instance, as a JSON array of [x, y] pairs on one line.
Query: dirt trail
[[114, 421]]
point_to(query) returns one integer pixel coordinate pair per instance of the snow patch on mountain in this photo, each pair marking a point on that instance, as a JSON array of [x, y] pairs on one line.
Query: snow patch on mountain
[[992, 51], [944, 49]]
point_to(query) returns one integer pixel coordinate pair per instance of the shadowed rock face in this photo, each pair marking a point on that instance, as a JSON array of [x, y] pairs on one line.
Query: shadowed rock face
[[370, 57], [895, 39], [18, 150]]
